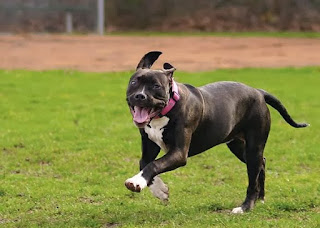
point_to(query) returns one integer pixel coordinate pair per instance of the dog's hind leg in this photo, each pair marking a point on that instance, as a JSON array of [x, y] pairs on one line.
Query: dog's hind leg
[[261, 180], [238, 148], [256, 138], [256, 135], [254, 161]]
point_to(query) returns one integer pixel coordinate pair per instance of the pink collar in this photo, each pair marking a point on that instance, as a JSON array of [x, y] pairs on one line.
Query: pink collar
[[172, 101]]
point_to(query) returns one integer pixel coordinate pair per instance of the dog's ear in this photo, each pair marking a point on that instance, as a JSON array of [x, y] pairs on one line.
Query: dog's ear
[[167, 66], [148, 59], [168, 70]]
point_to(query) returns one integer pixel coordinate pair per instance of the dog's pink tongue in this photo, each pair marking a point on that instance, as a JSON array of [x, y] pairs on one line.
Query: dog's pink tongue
[[140, 114]]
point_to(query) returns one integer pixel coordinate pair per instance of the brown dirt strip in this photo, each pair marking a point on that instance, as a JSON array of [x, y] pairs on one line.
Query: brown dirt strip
[[122, 53]]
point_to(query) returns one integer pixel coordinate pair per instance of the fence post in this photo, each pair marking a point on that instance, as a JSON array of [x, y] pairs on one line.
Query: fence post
[[69, 25], [100, 17]]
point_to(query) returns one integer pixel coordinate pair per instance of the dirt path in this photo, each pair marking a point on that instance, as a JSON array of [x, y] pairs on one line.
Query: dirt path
[[118, 53]]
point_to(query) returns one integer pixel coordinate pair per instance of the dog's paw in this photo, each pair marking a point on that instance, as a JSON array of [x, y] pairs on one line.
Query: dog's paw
[[136, 183], [237, 210], [159, 189]]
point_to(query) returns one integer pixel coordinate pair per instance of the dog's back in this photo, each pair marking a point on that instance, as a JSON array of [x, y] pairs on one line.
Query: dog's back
[[227, 106]]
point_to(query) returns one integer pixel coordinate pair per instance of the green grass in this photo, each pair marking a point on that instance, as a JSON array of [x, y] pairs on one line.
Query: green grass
[[67, 144], [286, 34]]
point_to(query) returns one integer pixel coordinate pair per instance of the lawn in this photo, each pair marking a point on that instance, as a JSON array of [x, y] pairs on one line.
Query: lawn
[[68, 144]]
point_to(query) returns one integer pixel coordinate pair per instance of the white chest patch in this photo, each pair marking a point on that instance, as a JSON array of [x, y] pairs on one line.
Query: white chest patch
[[155, 130]]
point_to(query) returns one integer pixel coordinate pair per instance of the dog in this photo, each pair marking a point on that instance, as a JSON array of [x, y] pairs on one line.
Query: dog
[[184, 121]]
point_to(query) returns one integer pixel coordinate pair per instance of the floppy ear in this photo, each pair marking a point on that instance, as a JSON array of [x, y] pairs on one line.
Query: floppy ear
[[148, 59], [168, 70]]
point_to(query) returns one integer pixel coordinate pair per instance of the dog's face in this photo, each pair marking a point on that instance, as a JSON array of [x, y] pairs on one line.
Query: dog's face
[[148, 90]]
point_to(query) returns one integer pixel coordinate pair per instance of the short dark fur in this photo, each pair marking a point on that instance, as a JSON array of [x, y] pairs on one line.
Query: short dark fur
[[221, 112]]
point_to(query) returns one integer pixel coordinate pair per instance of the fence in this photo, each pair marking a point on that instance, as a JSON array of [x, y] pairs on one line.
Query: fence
[[52, 15], [160, 15]]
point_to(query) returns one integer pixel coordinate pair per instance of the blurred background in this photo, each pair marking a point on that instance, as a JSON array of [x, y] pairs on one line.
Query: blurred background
[[87, 16]]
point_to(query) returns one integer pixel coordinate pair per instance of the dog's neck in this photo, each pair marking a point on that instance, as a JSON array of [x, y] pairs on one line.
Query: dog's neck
[[174, 97]]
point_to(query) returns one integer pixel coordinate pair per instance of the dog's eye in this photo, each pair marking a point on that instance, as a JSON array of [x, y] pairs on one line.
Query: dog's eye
[[156, 86], [133, 82]]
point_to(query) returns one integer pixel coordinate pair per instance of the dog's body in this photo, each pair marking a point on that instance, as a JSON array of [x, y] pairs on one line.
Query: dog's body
[[222, 112]]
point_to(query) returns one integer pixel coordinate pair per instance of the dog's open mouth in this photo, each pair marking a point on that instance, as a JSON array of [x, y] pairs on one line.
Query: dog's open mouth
[[142, 115]]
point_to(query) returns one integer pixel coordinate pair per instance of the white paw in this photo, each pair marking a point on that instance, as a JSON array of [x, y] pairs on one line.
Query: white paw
[[237, 210], [159, 189], [136, 183]]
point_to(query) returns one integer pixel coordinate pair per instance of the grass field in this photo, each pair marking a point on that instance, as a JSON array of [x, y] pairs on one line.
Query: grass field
[[68, 144]]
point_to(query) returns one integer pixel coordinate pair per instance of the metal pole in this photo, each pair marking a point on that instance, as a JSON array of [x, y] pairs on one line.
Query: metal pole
[[100, 17], [69, 27]]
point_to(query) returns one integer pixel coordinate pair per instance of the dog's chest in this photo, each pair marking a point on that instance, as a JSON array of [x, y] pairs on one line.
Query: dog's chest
[[155, 130]]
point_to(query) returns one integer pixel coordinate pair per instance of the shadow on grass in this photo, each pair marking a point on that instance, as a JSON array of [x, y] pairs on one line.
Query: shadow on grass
[[295, 206], [163, 214]]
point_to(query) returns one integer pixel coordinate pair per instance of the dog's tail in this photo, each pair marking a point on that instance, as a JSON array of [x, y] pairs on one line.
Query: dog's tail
[[276, 104]]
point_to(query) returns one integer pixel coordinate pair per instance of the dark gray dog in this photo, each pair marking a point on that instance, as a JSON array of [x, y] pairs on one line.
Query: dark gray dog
[[184, 121]]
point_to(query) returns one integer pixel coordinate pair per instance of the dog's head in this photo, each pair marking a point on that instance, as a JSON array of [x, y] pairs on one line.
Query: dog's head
[[149, 90]]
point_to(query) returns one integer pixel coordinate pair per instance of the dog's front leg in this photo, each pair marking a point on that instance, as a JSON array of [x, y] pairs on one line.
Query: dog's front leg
[[159, 189], [150, 151], [174, 158]]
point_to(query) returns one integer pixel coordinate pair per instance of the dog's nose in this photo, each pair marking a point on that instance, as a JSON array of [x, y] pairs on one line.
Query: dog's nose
[[140, 96]]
